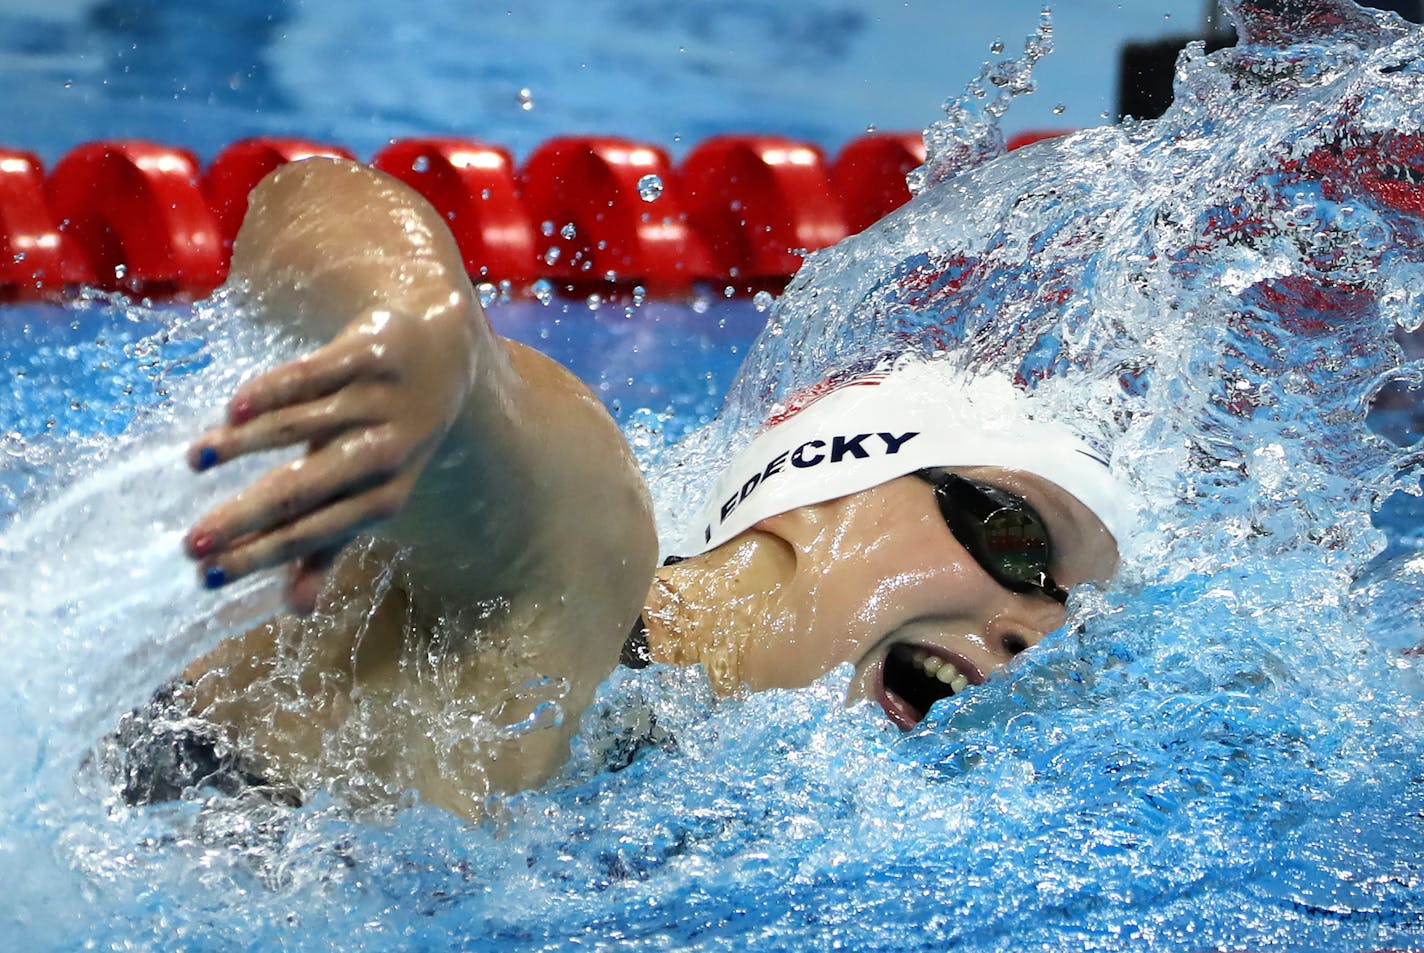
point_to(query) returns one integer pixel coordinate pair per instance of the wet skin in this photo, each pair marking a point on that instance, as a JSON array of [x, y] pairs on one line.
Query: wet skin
[[524, 521], [853, 579]]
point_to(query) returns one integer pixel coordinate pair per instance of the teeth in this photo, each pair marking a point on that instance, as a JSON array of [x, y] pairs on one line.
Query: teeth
[[952, 677], [945, 671]]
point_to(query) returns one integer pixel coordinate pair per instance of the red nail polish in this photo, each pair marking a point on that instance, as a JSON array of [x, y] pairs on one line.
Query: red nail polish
[[240, 411], [201, 543]]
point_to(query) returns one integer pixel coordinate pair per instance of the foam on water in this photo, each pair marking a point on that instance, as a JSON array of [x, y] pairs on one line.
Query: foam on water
[[1219, 752]]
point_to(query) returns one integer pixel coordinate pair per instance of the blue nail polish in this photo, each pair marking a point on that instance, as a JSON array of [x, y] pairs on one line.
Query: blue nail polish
[[214, 577], [207, 457]]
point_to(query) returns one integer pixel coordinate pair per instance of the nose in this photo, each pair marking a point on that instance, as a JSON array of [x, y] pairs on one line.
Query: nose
[[1015, 642], [1021, 624]]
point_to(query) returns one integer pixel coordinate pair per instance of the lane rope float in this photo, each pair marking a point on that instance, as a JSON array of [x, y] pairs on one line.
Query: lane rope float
[[584, 213]]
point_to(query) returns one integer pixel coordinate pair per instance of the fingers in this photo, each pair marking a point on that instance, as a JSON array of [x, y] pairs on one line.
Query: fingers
[[326, 372], [306, 577], [314, 422], [313, 375], [344, 467], [309, 543]]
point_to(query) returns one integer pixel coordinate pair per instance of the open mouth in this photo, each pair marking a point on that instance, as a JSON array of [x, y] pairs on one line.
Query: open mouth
[[914, 677]]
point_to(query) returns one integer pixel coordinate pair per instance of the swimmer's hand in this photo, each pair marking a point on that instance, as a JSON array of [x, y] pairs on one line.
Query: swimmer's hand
[[370, 407], [509, 482]]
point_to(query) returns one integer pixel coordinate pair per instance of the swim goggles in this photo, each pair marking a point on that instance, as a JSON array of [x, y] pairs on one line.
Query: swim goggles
[[1001, 531]]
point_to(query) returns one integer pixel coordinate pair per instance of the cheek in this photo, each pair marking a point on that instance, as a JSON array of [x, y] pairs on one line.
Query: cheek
[[845, 616], [814, 624]]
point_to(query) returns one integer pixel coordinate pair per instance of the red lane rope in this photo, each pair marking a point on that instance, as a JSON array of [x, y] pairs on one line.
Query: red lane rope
[[583, 212]]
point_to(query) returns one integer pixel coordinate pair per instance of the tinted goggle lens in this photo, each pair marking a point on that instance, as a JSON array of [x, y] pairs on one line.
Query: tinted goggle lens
[[1002, 532]]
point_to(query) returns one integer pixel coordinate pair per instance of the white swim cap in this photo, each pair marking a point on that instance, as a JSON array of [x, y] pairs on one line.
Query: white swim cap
[[850, 435]]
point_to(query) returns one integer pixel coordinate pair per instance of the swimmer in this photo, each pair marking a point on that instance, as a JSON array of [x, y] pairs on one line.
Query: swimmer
[[514, 538]]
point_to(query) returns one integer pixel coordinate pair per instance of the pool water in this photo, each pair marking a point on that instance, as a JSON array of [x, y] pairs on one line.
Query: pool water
[[1218, 752]]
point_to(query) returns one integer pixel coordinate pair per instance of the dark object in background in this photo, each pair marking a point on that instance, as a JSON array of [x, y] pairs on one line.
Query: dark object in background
[[1411, 10], [1145, 70]]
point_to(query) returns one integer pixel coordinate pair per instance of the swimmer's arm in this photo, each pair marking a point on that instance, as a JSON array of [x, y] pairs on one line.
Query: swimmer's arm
[[501, 472]]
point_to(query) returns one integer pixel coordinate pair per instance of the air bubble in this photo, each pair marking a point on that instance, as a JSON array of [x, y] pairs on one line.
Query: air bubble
[[543, 291], [421, 163], [525, 99], [568, 231]]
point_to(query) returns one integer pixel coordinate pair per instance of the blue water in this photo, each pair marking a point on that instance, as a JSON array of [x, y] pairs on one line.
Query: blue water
[[207, 72], [1219, 752]]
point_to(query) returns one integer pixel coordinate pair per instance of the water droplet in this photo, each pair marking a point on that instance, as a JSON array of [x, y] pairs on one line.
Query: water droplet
[[650, 187], [120, 271], [552, 255], [488, 293], [421, 163], [730, 291], [543, 291], [595, 302], [996, 47], [568, 231], [525, 99], [640, 294], [547, 227], [870, 127], [763, 300], [1059, 109]]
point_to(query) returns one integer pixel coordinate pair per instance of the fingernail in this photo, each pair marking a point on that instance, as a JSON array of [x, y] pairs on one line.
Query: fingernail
[[202, 543], [240, 410], [214, 577], [207, 457]]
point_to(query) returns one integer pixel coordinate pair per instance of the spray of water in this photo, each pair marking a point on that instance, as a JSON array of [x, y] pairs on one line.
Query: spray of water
[[1219, 752]]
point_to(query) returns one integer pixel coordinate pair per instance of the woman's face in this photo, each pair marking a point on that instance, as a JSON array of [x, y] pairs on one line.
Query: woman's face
[[878, 579]]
